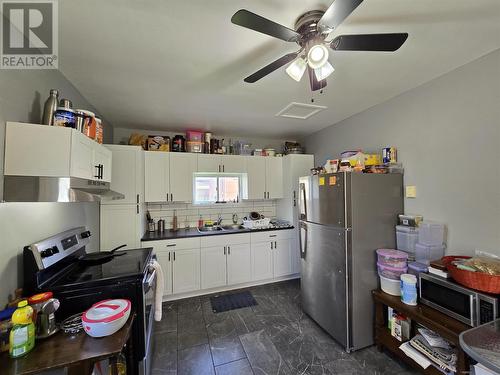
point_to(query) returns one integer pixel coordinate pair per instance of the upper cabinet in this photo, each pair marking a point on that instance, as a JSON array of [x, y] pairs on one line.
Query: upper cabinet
[[169, 176], [265, 177], [221, 163], [52, 151]]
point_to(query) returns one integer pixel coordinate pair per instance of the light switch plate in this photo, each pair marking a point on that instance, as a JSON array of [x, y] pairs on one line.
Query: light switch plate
[[411, 191]]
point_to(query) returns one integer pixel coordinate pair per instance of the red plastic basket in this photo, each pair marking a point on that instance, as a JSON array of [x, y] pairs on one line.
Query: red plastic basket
[[475, 280]]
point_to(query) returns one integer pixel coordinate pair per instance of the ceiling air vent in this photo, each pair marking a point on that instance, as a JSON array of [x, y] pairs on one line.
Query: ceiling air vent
[[300, 111]]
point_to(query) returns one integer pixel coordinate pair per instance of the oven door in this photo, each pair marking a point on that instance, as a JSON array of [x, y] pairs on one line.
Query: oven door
[[148, 288]]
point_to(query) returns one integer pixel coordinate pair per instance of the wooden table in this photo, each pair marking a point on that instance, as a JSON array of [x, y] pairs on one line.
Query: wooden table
[[440, 323], [77, 352]]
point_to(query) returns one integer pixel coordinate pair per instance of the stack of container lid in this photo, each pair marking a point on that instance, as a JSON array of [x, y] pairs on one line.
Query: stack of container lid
[[391, 264], [430, 245]]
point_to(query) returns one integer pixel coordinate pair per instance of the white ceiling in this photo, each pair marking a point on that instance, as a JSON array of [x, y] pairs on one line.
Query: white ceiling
[[169, 65]]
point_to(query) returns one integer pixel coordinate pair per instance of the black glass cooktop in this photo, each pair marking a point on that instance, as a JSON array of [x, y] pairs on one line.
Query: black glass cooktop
[[132, 264]]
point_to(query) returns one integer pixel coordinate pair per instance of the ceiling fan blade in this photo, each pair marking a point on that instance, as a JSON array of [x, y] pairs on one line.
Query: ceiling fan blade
[[315, 84], [255, 22], [337, 13], [271, 67], [369, 42]]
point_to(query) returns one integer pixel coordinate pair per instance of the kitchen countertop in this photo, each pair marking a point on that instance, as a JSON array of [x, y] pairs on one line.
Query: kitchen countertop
[[193, 232], [483, 344]]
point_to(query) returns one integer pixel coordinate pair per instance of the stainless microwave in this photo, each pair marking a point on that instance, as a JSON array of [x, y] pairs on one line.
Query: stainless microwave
[[464, 304]]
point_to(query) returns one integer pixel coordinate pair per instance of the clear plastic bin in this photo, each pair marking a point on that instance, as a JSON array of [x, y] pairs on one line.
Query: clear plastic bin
[[415, 268], [431, 233], [406, 238], [426, 253]]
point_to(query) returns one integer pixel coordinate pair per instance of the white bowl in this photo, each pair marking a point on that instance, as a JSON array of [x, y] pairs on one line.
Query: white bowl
[[106, 317], [392, 287]]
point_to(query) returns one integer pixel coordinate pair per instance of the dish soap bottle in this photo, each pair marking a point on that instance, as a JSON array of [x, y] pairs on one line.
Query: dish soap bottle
[[22, 335]]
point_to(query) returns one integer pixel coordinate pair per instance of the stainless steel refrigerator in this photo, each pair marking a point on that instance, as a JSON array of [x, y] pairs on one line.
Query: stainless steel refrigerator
[[344, 218]]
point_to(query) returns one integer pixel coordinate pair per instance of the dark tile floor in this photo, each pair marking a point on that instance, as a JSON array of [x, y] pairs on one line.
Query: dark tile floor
[[274, 337]]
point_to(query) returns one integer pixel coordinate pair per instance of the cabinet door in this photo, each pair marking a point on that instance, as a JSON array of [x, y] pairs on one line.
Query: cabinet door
[[256, 165], [239, 264], [156, 176], [103, 157], [282, 257], [165, 260], [274, 177], [127, 176], [186, 270], [213, 267], [182, 168], [233, 164], [120, 224], [262, 261], [209, 163], [82, 157]]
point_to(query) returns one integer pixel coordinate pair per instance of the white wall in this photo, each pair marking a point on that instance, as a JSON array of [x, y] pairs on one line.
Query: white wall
[[447, 133], [121, 136], [22, 95]]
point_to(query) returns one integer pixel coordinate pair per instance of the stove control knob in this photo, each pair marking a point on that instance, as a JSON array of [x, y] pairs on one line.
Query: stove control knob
[[54, 250], [46, 253], [86, 234]]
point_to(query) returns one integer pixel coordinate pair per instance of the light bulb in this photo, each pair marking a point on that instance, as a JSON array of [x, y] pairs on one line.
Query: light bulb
[[296, 69], [317, 56], [324, 71]]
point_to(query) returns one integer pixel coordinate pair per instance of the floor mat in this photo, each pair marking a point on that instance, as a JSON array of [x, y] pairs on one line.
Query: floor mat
[[232, 301]]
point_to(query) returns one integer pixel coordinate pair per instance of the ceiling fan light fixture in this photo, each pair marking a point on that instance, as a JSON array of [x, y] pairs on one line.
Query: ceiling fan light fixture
[[296, 69], [317, 56], [324, 71]]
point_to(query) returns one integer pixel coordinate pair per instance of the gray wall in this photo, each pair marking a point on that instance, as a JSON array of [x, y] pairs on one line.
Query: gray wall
[[22, 94], [447, 133]]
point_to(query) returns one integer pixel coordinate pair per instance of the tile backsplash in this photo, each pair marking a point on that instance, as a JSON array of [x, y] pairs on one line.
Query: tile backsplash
[[188, 214]]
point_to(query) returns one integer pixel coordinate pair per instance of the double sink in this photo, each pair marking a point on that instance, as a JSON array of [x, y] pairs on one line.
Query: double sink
[[222, 228]]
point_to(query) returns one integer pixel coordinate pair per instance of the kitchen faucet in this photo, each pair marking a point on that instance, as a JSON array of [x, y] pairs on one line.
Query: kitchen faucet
[[219, 220]]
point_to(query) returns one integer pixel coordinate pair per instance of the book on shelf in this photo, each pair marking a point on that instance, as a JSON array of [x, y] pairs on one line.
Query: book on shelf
[[438, 272]]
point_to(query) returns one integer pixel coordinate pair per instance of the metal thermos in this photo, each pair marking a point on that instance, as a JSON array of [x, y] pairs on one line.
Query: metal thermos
[[65, 103], [161, 225], [49, 108]]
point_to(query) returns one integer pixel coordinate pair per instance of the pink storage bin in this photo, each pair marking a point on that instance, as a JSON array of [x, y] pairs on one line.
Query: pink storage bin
[[194, 136], [391, 272], [392, 258]]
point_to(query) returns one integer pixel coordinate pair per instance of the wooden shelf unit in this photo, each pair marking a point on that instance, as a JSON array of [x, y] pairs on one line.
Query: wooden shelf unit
[[440, 323]]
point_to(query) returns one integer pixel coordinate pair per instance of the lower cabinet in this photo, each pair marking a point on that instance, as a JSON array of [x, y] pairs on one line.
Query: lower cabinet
[[272, 255], [225, 260]]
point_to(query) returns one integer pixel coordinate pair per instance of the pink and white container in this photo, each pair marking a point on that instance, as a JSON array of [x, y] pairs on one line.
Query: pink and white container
[[392, 258], [391, 272], [106, 317]]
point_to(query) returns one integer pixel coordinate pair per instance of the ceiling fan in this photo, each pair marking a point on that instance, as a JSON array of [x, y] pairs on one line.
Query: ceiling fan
[[311, 31]]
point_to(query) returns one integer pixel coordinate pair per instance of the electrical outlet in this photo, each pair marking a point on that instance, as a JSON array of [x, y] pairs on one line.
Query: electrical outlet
[[411, 191]]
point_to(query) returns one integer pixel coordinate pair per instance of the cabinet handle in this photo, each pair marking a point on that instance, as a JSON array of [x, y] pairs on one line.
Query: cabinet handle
[[102, 171], [223, 168], [167, 197], [272, 235], [224, 250], [169, 256], [229, 250], [137, 207], [171, 197], [137, 198], [271, 245], [219, 167], [264, 195], [174, 256], [98, 170], [275, 245], [267, 195], [171, 245]]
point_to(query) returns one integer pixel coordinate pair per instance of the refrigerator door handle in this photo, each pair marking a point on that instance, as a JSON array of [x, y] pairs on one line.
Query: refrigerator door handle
[[303, 239], [302, 202]]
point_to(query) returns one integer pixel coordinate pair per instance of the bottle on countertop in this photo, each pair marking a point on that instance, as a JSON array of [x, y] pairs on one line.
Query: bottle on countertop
[[200, 222], [175, 226], [49, 108], [22, 335]]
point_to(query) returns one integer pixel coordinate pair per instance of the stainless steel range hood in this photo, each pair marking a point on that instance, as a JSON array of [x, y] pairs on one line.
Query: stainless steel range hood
[[56, 189]]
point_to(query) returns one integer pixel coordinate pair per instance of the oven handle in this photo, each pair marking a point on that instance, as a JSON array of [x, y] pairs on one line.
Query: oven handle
[[150, 278]]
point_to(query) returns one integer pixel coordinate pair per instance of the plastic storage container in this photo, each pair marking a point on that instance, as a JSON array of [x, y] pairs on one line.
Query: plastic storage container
[[414, 268], [406, 238], [431, 233], [392, 287], [426, 253], [392, 258], [391, 272], [409, 289]]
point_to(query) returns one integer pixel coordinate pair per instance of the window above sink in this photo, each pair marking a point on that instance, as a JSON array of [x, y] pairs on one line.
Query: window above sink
[[210, 188]]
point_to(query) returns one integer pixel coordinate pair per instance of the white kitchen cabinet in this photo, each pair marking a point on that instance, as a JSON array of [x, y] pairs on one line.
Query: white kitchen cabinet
[[53, 151], [210, 163], [264, 177], [185, 270], [121, 224], [182, 168], [164, 258], [274, 177], [213, 267], [256, 177], [262, 261], [239, 264], [282, 257], [156, 176]]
